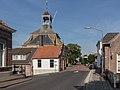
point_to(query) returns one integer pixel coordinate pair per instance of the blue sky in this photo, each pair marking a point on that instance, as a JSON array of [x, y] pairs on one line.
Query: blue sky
[[71, 18]]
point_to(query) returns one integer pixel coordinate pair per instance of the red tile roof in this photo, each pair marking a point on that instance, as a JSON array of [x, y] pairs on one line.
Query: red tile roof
[[47, 52]]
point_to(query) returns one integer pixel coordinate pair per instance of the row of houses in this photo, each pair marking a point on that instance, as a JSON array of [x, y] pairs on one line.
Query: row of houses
[[108, 56], [45, 59], [43, 52]]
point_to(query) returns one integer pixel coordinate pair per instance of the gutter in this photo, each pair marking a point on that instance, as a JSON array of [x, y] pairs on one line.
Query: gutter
[[7, 28]]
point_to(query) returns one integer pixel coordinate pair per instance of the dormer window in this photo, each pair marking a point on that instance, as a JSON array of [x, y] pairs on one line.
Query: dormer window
[[19, 57]]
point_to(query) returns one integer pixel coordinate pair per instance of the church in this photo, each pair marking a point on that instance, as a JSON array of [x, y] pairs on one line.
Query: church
[[47, 53]]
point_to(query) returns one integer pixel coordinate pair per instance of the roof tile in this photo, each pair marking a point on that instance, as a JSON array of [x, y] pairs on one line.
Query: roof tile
[[109, 36], [47, 52]]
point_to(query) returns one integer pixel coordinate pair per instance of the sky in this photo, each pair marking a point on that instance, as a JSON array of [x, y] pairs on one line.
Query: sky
[[72, 16]]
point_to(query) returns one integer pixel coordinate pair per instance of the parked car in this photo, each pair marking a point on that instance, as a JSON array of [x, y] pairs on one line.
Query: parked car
[[91, 66]]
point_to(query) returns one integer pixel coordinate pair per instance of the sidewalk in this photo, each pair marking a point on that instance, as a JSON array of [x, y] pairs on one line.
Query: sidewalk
[[96, 82], [9, 80]]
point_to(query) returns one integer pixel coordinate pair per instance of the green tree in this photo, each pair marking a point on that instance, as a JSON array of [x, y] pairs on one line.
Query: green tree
[[73, 52], [91, 58]]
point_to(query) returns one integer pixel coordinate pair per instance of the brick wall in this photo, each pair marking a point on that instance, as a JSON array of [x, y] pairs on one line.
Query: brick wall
[[6, 39], [114, 50]]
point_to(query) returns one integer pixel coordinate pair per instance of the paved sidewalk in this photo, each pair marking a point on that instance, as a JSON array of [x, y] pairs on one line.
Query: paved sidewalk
[[97, 83], [9, 80], [79, 67], [10, 77]]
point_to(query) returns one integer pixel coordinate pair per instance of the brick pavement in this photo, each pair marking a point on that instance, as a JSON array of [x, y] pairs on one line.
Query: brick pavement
[[77, 68], [97, 83]]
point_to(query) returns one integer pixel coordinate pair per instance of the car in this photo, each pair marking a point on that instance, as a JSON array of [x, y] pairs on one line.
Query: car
[[91, 66]]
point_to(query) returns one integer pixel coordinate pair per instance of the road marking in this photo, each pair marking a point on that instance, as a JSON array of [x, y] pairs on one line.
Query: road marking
[[76, 71]]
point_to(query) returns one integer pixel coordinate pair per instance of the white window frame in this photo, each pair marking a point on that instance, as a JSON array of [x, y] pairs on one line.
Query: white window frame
[[118, 60], [3, 53], [19, 57]]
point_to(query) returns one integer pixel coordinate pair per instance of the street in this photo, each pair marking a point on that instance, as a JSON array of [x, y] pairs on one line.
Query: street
[[67, 80]]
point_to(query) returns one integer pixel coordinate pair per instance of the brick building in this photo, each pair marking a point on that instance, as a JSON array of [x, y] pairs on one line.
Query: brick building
[[5, 46], [42, 38], [111, 53]]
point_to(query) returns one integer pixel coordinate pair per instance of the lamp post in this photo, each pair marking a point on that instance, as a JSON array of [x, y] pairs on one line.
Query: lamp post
[[92, 28]]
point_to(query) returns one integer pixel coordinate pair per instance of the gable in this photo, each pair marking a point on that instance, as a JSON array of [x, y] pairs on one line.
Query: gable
[[108, 37]]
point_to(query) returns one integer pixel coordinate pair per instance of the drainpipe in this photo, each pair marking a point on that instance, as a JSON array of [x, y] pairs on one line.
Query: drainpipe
[[109, 58]]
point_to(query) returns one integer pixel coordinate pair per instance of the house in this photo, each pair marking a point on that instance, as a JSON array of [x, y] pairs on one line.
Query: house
[[99, 55], [49, 59], [111, 55], [22, 60], [5, 47]]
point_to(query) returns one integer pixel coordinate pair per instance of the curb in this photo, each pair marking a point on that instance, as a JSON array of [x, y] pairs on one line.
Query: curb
[[89, 77]]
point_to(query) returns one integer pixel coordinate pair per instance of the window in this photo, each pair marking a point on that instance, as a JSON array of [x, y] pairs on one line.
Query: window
[[118, 63], [118, 66], [1, 54], [51, 63], [16, 57], [19, 57], [24, 57], [39, 63], [119, 57]]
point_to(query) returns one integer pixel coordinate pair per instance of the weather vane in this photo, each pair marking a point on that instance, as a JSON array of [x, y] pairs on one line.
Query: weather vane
[[46, 4]]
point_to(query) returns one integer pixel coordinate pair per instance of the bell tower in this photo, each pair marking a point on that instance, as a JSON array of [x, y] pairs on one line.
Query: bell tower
[[46, 17], [45, 35]]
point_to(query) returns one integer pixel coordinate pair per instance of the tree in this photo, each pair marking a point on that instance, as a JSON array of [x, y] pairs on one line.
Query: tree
[[73, 52], [84, 59], [91, 58]]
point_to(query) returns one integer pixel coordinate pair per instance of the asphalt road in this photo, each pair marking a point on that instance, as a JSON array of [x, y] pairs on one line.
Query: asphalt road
[[69, 80]]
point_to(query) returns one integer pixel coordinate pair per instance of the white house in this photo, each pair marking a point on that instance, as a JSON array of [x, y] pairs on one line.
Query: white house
[[48, 59], [99, 54]]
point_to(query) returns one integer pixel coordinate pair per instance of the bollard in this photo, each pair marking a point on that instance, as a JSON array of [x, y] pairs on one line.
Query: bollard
[[114, 81]]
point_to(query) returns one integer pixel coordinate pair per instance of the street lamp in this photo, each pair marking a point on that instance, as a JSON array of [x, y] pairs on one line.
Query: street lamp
[[92, 28], [96, 30]]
